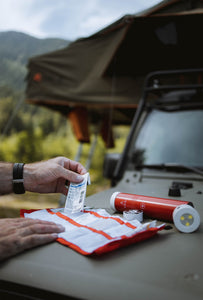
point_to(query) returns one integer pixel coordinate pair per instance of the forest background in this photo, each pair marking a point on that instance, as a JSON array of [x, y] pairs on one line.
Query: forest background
[[31, 133]]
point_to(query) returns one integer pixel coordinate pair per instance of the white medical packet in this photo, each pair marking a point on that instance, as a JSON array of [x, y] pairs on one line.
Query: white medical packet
[[76, 195]]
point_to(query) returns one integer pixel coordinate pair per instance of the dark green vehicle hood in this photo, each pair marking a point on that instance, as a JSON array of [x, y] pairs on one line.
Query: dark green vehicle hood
[[168, 266]]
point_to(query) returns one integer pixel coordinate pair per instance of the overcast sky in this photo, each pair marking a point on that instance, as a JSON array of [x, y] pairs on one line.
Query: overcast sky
[[69, 19]]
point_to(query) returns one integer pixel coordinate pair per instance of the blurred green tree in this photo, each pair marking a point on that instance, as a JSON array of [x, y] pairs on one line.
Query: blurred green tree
[[29, 145]]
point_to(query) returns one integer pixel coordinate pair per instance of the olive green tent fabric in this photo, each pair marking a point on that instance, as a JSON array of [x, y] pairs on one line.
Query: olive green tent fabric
[[105, 71], [76, 74]]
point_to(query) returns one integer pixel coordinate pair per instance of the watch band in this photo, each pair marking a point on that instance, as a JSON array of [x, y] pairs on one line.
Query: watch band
[[18, 186]]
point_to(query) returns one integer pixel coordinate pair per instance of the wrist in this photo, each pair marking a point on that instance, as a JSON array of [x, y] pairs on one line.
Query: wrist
[[29, 177]]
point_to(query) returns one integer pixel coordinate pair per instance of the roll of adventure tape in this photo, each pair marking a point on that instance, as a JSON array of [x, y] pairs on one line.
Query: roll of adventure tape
[[186, 219], [133, 214]]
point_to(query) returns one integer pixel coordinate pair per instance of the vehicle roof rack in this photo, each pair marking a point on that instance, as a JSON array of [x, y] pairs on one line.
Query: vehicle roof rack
[[165, 81]]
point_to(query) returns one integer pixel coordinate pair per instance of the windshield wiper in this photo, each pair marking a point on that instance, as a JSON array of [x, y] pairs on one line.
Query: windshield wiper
[[171, 166]]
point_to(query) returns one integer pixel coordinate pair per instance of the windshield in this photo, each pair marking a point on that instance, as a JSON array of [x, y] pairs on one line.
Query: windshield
[[171, 137]]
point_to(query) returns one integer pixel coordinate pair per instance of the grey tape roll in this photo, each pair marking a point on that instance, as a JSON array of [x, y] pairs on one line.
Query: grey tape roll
[[133, 214]]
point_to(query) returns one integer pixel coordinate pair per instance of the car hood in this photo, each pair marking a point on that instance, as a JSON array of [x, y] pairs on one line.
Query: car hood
[[167, 266]]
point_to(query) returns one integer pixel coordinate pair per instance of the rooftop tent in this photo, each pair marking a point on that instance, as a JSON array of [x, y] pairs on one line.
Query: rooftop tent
[[102, 75]]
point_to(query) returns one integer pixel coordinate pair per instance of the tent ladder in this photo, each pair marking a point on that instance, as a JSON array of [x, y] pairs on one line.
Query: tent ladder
[[91, 152], [79, 152]]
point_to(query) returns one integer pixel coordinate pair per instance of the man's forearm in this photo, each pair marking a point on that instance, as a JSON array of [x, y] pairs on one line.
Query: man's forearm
[[6, 177], [42, 177]]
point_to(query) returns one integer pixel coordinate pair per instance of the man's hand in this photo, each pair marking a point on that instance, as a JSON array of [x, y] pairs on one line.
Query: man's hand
[[50, 176], [17, 235]]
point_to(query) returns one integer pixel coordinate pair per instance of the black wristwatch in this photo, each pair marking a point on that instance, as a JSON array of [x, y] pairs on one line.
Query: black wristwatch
[[18, 183]]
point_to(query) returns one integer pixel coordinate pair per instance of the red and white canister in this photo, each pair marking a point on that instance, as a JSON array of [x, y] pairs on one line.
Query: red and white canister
[[153, 207]]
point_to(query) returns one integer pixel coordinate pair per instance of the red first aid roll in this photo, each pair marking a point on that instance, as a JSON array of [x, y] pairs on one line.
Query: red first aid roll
[[153, 207]]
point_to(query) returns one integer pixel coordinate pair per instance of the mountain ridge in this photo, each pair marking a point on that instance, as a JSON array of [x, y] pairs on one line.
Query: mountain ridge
[[15, 50]]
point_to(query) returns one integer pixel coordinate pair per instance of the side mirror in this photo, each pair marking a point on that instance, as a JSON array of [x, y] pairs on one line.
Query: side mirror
[[110, 162]]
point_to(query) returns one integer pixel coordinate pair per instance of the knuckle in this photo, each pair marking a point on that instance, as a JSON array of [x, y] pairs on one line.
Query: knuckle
[[38, 239], [33, 239], [17, 244], [43, 228], [37, 228]]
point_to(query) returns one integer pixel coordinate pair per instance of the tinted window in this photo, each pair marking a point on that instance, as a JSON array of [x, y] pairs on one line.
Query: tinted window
[[172, 137]]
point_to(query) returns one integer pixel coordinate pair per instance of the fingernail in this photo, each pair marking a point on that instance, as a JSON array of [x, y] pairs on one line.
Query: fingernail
[[54, 235], [61, 227]]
